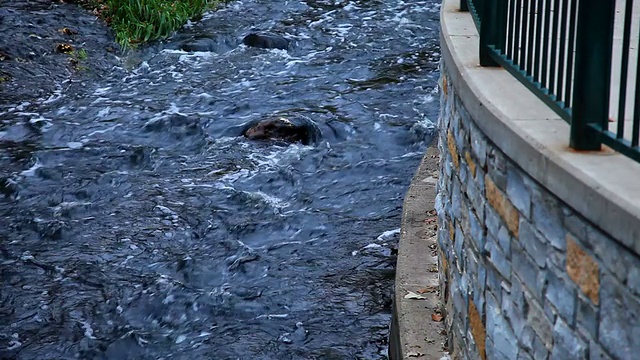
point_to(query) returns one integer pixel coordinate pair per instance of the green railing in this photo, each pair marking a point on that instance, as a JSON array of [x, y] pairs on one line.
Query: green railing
[[562, 50]]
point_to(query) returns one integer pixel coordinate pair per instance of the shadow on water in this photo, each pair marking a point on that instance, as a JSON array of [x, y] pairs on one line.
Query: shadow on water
[[139, 224]]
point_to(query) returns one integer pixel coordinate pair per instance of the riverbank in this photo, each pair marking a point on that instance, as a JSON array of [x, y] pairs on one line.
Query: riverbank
[[417, 329], [48, 48]]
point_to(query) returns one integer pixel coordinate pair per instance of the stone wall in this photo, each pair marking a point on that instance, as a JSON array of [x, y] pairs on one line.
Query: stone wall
[[523, 276]]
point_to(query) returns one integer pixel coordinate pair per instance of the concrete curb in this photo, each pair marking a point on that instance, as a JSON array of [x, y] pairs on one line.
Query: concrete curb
[[414, 334]]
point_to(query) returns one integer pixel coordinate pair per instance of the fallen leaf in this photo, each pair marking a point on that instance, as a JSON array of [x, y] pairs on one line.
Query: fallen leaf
[[428, 289], [431, 220], [436, 317], [414, 296], [414, 354]]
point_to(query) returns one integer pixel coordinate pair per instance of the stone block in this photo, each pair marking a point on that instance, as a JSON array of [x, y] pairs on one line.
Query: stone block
[[499, 331], [587, 316], [476, 231], [497, 167], [518, 192], [561, 295], [493, 282], [583, 270], [453, 150], [540, 348], [477, 329], [478, 144], [566, 345], [612, 255], [470, 163], [596, 352], [527, 271], [476, 199], [538, 320], [498, 259], [533, 243], [497, 199], [513, 313], [504, 240], [619, 327], [524, 355], [547, 218], [492, 221], [574, 223]]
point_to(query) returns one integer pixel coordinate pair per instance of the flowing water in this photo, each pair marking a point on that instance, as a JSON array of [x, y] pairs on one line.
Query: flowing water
[[138, 224]]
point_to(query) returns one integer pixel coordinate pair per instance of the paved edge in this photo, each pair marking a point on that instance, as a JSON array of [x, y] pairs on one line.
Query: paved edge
[[414, 334]]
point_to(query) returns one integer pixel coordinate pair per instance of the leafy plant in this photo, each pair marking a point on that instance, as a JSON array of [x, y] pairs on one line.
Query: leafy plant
[[138, 21]]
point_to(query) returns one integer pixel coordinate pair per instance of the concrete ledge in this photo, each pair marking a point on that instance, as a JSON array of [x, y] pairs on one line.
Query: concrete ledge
[[414, 334], [602, 186]]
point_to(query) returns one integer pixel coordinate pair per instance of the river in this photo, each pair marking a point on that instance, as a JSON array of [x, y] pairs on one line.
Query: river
[[138, 224]]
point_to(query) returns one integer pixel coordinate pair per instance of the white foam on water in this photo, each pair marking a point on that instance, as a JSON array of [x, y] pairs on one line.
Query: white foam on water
[[388, 234]]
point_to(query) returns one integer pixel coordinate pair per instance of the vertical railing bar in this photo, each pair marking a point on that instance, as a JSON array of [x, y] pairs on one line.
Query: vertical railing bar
[[636, 107], [553, 75], [537, 52], [545, 47], [518, 35], [570, 54], [561, 56], [512, 18], [592, 87], [531, 30], [524, 47], [464, 6], [628, 10]]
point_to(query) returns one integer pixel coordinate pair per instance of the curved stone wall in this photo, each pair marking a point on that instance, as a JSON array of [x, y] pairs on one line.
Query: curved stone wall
[[523, 274]]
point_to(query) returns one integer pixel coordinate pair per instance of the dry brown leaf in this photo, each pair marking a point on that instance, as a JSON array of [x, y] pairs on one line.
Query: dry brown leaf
[[428, 289], [436, 317]]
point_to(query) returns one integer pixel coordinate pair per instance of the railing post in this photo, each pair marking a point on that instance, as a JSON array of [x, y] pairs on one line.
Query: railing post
[[464, 5], [592, 75], [493, 29]]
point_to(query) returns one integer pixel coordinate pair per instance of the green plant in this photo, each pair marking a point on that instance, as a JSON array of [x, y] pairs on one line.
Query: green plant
[[138, 21]]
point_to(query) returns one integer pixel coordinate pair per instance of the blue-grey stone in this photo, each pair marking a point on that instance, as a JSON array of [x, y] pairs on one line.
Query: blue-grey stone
[[494, 282], [513, 313], [499, 331], [562, 295], [497, 168], [574, 223], [596, 352], [540, 348], [547, 218], [619, 328], [478, 144], [456, 199], [476, 199], [476, 232], [566, 345], [556, 258], [492, 221], [497, 258], [527, 271], [459, 242], [461, 138], [505, 239], [518, 192], [538, 320], [533, 243], [614, 257], [587, 316], [523, 355]]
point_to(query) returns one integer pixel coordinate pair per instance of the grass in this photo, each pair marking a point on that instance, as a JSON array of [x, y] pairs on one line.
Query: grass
[[139, 21]]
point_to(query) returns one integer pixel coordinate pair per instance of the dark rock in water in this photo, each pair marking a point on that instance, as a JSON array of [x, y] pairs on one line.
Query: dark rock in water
[[266, 41], [207, 44], [281, 129]]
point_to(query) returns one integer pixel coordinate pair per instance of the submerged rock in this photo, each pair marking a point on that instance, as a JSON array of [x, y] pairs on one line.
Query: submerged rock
[[282, 129], [266, 41]]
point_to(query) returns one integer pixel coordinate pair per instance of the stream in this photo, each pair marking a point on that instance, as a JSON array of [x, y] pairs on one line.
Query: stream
[[138, 223]]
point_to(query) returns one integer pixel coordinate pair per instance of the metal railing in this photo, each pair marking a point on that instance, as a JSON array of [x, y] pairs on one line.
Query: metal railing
[[563, 51]]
